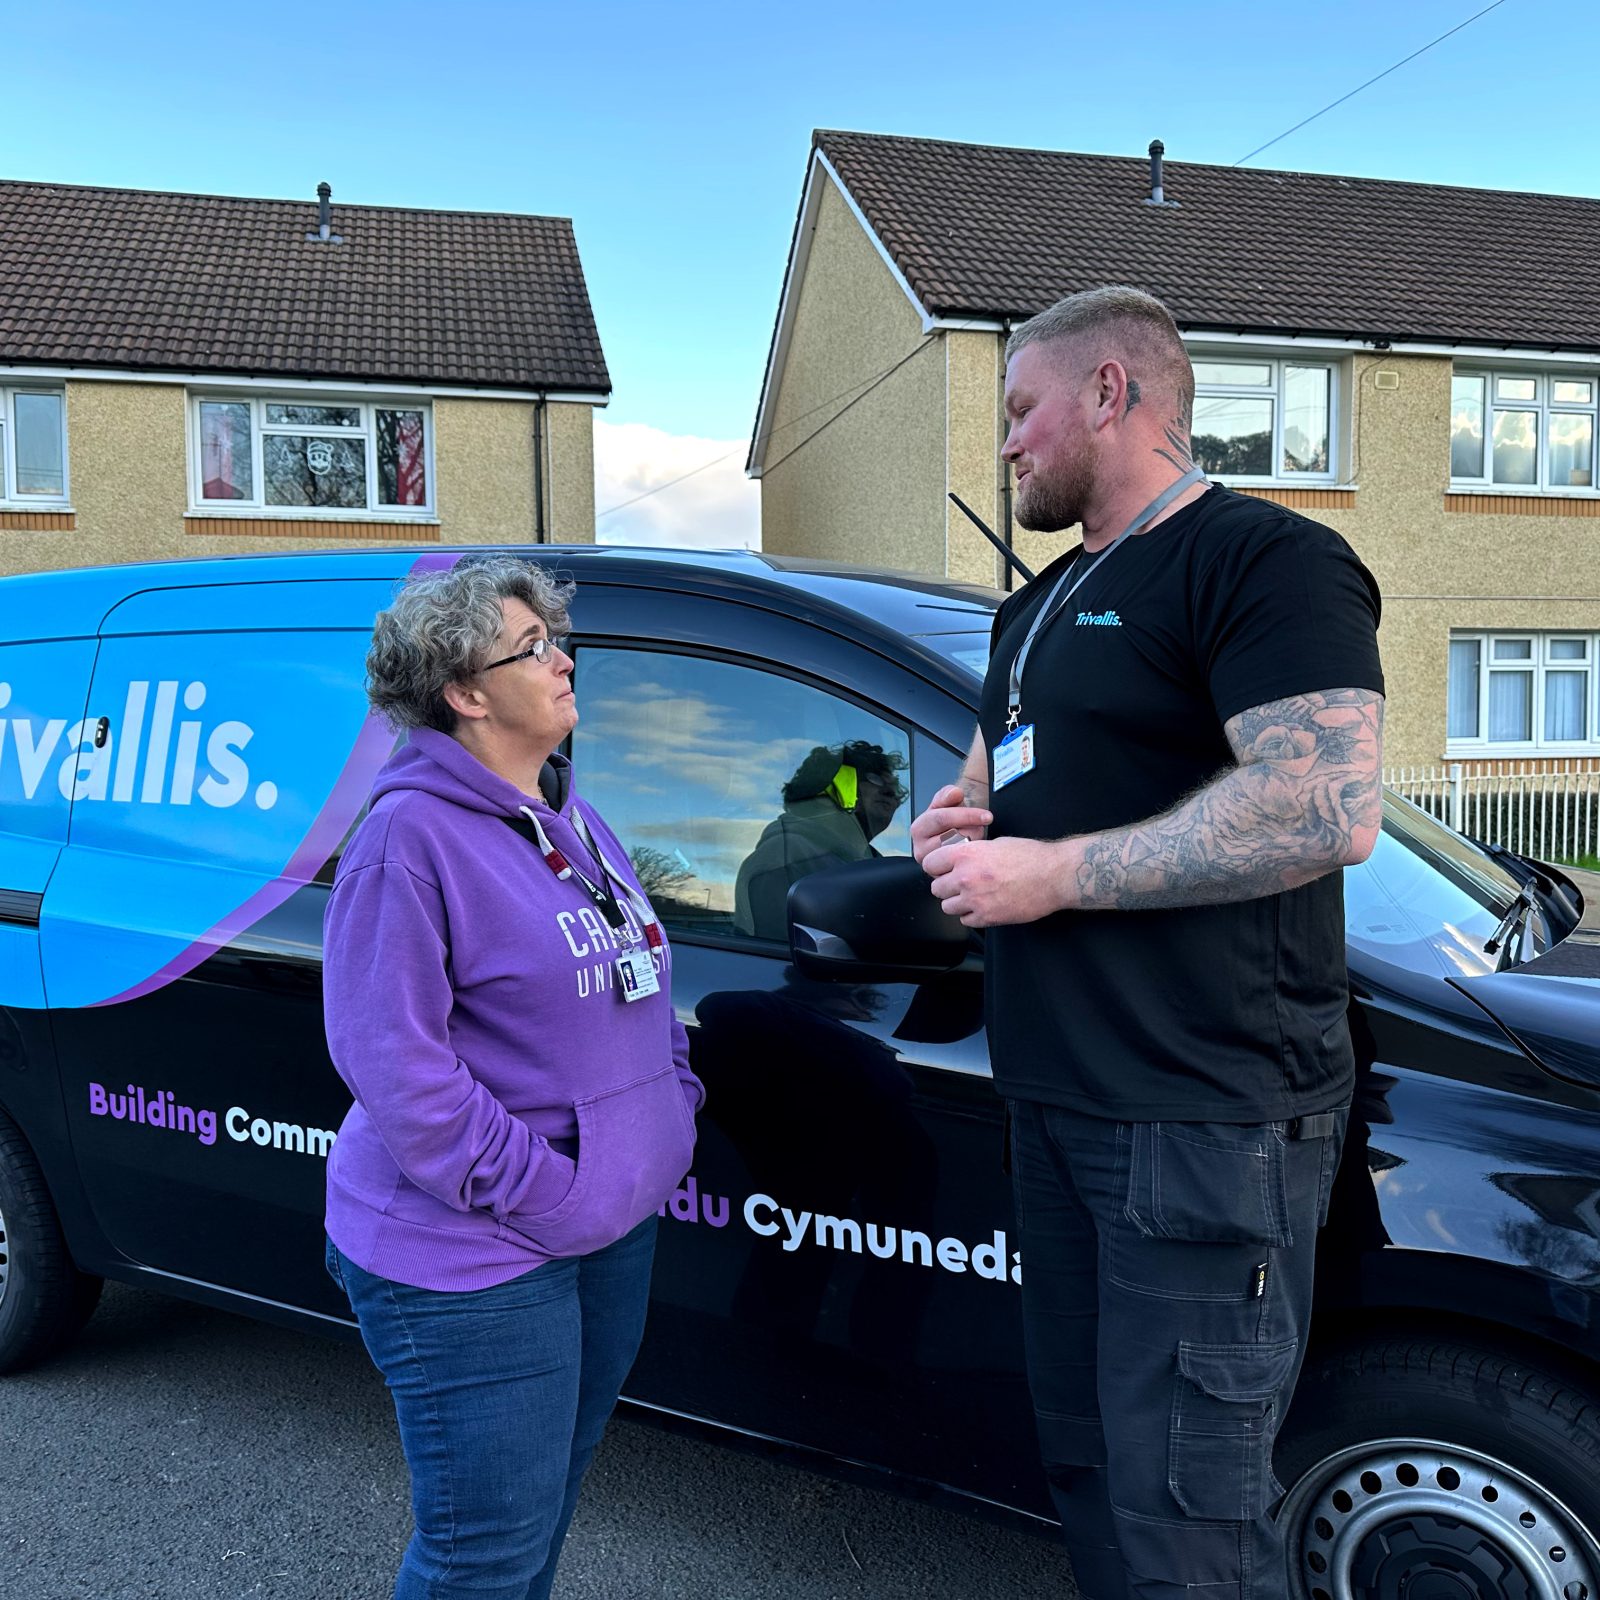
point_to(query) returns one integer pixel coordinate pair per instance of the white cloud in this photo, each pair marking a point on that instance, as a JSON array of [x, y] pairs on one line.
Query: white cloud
[[714, 504]]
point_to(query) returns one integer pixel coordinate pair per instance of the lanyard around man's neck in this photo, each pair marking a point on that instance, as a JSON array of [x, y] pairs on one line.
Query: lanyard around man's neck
[[1055, 601]]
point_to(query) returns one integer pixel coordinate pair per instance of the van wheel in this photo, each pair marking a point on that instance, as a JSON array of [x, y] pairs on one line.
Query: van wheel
[[44, 1299], [1430, 1467]]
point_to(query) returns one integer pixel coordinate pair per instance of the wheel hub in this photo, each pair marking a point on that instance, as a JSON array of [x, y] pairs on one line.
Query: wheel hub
[[1434, 1558], [1414, 1520], [5, 1257]]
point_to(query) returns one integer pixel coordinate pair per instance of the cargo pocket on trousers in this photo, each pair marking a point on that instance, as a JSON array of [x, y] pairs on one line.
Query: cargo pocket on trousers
[[1209, 1182], [1225, 1410]]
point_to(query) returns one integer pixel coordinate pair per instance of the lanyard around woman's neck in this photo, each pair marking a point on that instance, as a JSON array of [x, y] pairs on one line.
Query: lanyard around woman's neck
[[605, 893]]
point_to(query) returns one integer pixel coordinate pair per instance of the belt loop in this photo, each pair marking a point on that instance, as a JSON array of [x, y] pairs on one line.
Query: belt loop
[[1318, 1127]]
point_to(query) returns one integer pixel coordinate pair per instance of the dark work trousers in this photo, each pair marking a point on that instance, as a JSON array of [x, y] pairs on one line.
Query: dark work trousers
[[1166, 1294]]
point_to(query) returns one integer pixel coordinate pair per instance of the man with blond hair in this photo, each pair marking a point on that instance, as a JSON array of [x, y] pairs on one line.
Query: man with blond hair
[[1178, 748]]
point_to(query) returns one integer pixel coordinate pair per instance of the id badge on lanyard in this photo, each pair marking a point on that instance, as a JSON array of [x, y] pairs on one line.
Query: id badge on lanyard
[[636, 974], [1013, 756]]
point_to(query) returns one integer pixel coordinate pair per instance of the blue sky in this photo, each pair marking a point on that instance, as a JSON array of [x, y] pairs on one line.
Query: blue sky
[[676, 136]]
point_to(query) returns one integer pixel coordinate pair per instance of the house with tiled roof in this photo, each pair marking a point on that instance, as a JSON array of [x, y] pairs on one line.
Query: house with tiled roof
[[184, 374], [1417, 366]]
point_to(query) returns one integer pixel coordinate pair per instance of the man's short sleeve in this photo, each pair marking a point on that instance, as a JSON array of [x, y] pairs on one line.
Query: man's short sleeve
[[1286, 609]]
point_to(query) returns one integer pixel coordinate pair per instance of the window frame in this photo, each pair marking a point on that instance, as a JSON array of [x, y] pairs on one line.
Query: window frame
[[10, 499], [1539, 663], [258, 506], [1545, 407], [1275, 393]]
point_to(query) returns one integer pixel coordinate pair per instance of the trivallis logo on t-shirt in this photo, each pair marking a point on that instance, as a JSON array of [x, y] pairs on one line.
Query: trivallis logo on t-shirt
[[1098, 619]]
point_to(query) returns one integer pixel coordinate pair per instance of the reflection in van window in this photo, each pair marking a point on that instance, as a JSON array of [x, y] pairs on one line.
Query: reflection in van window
[[727, 783]]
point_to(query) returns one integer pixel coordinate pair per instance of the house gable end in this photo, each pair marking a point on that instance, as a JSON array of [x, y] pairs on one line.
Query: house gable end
[[820, 179]]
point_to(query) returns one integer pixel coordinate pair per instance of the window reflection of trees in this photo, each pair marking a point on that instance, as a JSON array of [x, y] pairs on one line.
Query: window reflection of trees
[[686, 758], [302, 471], [1246, 454]]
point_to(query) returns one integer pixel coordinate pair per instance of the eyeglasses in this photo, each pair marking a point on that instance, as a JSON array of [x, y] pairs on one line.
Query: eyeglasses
[[887, 785], [540, 650]]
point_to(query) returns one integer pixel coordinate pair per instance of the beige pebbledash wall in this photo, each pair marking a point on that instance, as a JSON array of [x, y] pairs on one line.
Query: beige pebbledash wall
[[569, 484], [128, 485], [855, 473], [974, 425]]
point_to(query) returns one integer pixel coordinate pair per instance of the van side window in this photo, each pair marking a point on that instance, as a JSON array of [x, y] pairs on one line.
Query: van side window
[[727, 783]]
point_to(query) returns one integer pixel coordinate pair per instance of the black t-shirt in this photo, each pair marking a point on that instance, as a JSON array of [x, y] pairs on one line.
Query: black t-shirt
[[1215, 1013]]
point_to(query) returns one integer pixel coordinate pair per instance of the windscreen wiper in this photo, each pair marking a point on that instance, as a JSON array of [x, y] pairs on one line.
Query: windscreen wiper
[[1530, 873], [1522, 908]]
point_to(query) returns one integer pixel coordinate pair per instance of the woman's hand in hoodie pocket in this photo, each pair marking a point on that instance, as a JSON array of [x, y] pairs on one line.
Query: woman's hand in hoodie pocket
[[552, 1185], [635, 1143]]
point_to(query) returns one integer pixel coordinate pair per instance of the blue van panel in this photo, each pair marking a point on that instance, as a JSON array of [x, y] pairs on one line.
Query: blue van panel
[[237, 750], [234, 764], [230, 607], [42, 735]]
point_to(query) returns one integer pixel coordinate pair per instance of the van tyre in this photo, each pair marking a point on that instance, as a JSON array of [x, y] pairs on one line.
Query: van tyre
[[44, 1299], [1435, 1467]]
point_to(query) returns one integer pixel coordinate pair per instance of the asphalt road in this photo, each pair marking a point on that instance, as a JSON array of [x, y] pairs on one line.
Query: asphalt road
[[180, 1452]]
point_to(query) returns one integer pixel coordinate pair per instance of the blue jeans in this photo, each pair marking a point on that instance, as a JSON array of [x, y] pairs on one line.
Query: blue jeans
[[1166, 1297], [502, 1395]]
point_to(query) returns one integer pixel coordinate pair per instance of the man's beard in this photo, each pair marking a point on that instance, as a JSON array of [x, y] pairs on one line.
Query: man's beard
[[1053, 504]]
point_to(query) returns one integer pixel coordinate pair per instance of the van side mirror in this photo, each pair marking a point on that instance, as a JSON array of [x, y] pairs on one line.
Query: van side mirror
[[872, 921]]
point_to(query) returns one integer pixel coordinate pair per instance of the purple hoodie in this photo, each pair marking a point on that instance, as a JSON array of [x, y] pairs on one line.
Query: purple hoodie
[[511, 1107]]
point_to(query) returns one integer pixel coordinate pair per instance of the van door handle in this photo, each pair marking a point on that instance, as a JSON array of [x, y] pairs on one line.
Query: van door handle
[[20, 908], [101, 729]]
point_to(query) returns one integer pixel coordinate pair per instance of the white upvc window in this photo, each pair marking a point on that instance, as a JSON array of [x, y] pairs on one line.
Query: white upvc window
[[33, 447], [1524, 693], [1259, 419], [1523, 431], [310, 456]]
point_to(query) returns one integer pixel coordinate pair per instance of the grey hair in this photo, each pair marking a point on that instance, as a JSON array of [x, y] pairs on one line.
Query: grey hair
[[1133, 326], [441, 630]]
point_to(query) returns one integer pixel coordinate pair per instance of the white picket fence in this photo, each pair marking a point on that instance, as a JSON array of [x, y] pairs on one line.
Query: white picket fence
[[1552, 815]]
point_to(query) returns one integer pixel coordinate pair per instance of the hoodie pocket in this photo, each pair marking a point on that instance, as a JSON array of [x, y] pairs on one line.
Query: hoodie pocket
[[634, 1145]]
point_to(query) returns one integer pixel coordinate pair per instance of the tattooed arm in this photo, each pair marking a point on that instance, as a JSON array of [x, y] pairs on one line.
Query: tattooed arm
[[1304, 800]]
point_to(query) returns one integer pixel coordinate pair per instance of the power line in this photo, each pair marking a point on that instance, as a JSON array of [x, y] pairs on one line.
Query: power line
[[622, 505], [1369, 83], [865, 385], [888, 372]]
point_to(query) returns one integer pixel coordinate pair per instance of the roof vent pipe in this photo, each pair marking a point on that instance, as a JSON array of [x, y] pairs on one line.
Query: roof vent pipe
[[1157, 150], [324, 233]]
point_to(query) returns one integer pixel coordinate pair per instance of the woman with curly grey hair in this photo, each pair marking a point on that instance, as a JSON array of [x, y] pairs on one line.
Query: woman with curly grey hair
[[496, 998]]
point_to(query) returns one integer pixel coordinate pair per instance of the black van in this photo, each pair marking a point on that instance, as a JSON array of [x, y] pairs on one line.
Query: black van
[[185, 747]]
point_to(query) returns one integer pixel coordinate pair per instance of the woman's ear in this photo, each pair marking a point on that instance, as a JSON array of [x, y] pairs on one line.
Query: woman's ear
[[465, 701]]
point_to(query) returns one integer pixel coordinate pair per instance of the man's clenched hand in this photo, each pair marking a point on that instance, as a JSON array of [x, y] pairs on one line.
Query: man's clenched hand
[[991, 882]]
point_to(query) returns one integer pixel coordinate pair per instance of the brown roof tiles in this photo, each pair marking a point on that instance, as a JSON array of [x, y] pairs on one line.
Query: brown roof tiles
[[213, 283], [992, 233]]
